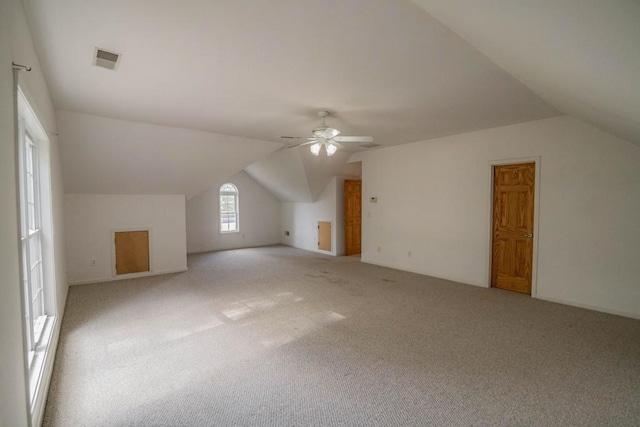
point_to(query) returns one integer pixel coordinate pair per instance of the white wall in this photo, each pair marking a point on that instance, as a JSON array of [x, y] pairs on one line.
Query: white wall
[[91, 220], [301, 219], [259, 213], [16, 45], [434, 200]]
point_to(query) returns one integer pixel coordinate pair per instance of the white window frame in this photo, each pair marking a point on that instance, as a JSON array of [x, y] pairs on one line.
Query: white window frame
[[37, 268], [31, 239], [225, 191]]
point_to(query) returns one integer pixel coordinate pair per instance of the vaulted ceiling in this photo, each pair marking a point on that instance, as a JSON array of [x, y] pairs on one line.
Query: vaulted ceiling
[[261, 69], [582, 57]]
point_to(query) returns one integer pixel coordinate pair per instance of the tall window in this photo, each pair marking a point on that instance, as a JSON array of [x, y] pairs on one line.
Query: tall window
[[229, 208], [31, 240], [36, 240]]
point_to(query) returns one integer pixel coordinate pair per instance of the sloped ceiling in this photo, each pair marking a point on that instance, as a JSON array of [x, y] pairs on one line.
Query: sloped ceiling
[[283, 175], [296, 175], [109, 156], [583, 57], [262, 69]]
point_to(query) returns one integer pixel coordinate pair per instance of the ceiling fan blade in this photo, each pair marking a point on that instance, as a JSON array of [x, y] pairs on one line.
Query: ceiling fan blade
[[353, 138], [313, 141], [296, 137], [327, 132]]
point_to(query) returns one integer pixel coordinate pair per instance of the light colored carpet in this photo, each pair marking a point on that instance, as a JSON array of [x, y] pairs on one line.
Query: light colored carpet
[[279, 336]]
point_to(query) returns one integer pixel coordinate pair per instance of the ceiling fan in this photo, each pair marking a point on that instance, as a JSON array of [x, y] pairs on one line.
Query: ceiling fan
[[327, 137]]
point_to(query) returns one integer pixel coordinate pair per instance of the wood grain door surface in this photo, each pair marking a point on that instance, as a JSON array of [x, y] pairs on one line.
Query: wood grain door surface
[[352, 216], [513, 207], [324, 235], [132, 251]]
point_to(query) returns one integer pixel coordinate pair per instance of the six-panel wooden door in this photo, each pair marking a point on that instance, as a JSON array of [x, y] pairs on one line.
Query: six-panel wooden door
[[352, 216], [512, 243]]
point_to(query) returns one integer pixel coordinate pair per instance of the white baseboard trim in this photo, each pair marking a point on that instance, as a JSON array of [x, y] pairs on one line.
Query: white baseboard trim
[[126, 276], [424, 273], [555, 300], [204, 251], [591, 307]]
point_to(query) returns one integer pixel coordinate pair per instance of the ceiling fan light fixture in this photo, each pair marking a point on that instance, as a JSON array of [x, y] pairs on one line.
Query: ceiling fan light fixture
[[315, 149], [327, 137]]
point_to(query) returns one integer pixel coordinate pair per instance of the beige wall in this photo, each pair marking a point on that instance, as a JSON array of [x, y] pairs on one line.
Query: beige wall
[[301, 218], [91, 220], [259, 214], [434, 200], [16, 45]]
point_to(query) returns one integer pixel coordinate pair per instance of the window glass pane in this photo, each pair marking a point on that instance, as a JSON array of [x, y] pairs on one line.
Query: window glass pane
[[228, 188], [30, 188], [35, 251], [228, 208], [31, 219], [36, 293], [29, 152], [25, 282]]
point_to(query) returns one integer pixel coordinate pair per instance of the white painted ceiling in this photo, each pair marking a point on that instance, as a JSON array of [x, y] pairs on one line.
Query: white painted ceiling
[[581, 56], [259, 69], [110, 156], [296, 175]]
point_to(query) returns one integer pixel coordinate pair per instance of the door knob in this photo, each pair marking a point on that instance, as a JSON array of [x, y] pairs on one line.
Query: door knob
[[527, 235]]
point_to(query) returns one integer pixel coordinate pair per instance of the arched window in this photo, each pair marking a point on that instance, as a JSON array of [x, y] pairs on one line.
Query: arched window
[[229, 208]]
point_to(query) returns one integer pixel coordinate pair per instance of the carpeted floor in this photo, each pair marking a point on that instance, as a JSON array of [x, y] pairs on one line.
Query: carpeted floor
[[279, 336]]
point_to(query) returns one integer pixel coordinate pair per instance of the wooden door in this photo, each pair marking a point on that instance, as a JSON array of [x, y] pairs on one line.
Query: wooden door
[[324, 235], [512, 247], [132, 251], [352, 217]]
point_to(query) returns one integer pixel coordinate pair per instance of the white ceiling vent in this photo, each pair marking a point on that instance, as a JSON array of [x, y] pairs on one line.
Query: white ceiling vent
[[105, 59]]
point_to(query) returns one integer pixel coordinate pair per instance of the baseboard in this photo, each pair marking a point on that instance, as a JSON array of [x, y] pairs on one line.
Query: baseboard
[[555, 300], [204, 251], [591, 307], [423, 273], [128, 276]]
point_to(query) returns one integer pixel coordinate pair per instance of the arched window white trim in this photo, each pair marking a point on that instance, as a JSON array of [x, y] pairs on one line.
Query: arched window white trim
[[229, 218]]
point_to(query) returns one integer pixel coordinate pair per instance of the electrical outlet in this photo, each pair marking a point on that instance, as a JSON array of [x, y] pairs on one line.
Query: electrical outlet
[[286, 233], [379, 248], [409, 254], [93, 263]]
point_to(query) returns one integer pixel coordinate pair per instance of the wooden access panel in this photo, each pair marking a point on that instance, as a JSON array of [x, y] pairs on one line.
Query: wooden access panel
[[324, 235], [352, 217], [132, 251], [512, 244]]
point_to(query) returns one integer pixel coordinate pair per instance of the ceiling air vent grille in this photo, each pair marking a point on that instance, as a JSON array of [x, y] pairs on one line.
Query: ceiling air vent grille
[[106, 59]]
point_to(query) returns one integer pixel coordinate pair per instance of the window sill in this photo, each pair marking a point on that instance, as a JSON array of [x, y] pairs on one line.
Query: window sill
[[38, 357]]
